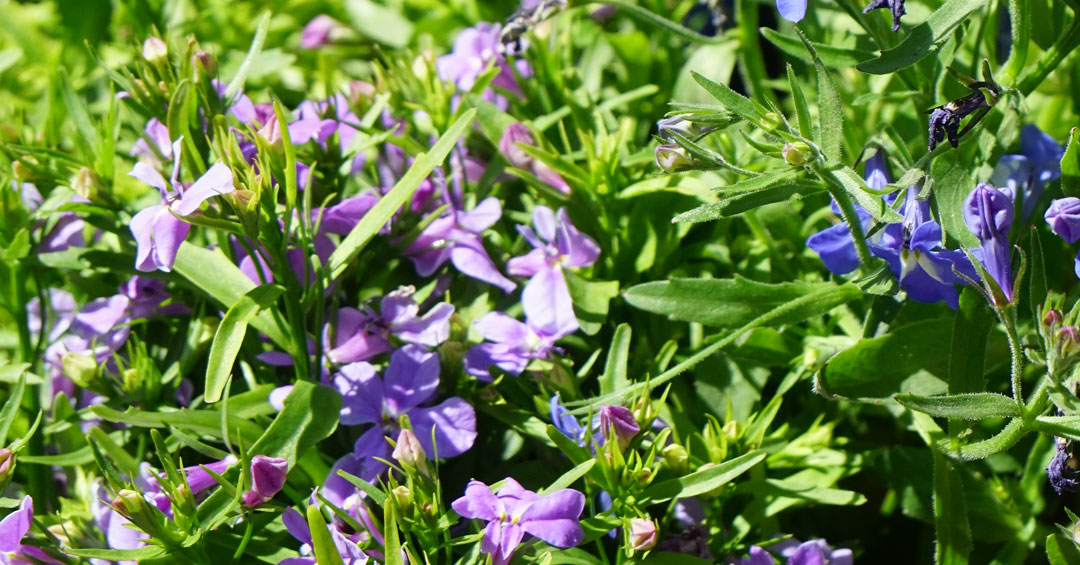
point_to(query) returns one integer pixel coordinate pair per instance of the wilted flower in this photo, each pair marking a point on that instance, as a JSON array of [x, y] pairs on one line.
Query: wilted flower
[[1064, 469], [514, 512], [896, 7]]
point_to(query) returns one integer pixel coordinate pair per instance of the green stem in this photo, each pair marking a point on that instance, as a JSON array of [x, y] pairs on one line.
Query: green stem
[[1014, 352], [851, 217], [1051, 59]]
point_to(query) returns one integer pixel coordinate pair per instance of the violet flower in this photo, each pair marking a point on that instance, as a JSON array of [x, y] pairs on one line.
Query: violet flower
[[267, 479], [13, 528], [362, 334], [988, 213], [1024, 176], [514, 512], [512, 344], [1063, 216], [455, 237], [474, 49], [792, 10], [158, 232], [620, 421], [297, 525], [517, 133], [557, 244], [411, 379], [813, 552], [317, 32]]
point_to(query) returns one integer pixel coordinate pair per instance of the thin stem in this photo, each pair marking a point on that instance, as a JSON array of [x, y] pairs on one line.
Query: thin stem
[[851, 217], [1014, 351]]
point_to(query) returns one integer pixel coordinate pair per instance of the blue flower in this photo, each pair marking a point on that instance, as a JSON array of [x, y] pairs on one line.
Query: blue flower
[[988, 213], [792, 10], [1024, 176]]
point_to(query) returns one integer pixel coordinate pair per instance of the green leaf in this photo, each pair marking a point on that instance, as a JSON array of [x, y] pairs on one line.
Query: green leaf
[[1006, 438], [830, 109], [976, 406], [920, 41], [141, 554], [802, 109], [237, 83], [950, 514], [310, 415], [731, 100], [835, 57], [322, 542], [746, 201], [734, 302], [375, 493], [568, 478], [202, 421], [592, 300], [643, 15], [971, 333], [380, 23], [391, 541], [573, 451], [952, 184], [1061, 551], [213, 273], [392, 201], [230, 336], [11, 407], [883, 366], [704, 480], [1070, 165], [614, 377]]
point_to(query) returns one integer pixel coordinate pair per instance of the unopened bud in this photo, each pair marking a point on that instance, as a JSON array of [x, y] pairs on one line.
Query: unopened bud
[[771, 120], [642, 534], [207, 62], [1051, 318], [731, 430], [409, 452], [154, 50], [271, 132], [402, 496], [677, 458], [423, 63], [1069, 335], [7, 465], [79, 367], [619, 420], [21, 171], [672, 158], [85, 183], [797, 153], [129, 503], [268, 475]]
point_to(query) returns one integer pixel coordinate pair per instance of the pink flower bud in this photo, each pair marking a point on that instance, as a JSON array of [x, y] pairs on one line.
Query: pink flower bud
[[642, 534], [619, 419], [408, 450], [154, 50], [268, 475]]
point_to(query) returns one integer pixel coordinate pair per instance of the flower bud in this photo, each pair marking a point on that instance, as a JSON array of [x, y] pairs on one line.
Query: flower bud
[[85, 183], [21, 171], [207, 63], [402, 496], [129, 503], [1063, 215], [642, 534], [79, 367], [672, 158], [797, 153], [619, 420], [516, 133], [271, 132], [409, 452], [1051, 318], [154, 50], [7, 465], [677, 458], [268, 475], [771, 121], [1069, 336]]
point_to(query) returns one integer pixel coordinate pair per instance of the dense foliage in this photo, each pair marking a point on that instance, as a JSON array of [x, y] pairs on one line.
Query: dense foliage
[[652, 281]]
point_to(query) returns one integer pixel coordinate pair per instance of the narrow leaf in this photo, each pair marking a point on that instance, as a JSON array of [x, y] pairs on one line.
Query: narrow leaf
[[975, 406], [11, 407], [1070, 165], [230, 336], [732, 100], [950, 514], [614, 377], [704, 480], [326, 552], [921, 39], [834, 57], [237, 83]]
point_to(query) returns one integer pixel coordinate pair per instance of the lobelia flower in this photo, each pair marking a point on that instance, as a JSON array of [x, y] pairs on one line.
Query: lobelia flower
[[317, 32], [455, 237], [620, 420], [792, 10], [362, 334], [320, 120], [514, 512], [896, 7], [988, 213], [297, 526], [13, 528], [1063, 216], [158, 232], [411, 379], [813, 552], [517, 133], [1023, 177], [474, 49], [512, 344], [694, 539], [267, 478]]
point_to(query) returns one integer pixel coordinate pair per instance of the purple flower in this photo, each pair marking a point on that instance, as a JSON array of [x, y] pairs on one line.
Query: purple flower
[[267, 478], [13, 528], [1063, 215], [513, 344], [474, 49], [517, 133], [896, 7], [455, 237], [317, 32], [158, 232], [411, 379], [320, 120], [988, 213], [155, 148], [351, 554], [813, 552], [515, 512], [694, 539], [792, 10], [1062, 472], [620, 420], [363, 334], [1023, 177]]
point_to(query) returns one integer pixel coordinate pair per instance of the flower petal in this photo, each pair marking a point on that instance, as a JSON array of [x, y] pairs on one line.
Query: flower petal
[[362, 394], [554, 518], [478, 502], [218, 180], [792, 10], [411, 378], [454, 425]]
